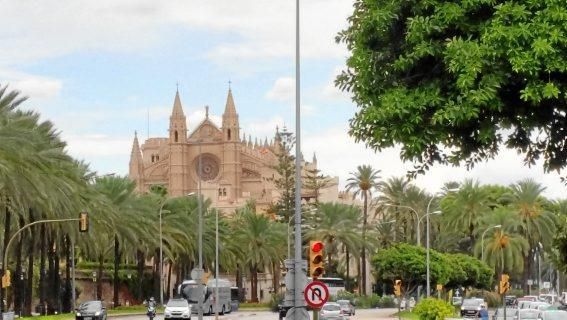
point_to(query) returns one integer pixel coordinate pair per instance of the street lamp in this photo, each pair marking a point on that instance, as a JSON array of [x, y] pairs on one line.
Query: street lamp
[[417, 219], [482, 239], [161, 277], [427, 240]]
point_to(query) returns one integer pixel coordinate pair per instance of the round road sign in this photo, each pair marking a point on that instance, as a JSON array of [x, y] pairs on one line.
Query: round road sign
[[316, 294]]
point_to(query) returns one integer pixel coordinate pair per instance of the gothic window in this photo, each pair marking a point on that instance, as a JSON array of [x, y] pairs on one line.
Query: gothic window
[[157, 157], [153, 158], [176, 136], [224, 192], [220, 192], [228, 134]]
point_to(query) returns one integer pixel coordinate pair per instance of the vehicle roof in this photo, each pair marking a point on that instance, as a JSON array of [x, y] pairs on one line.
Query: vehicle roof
[[330, 303]]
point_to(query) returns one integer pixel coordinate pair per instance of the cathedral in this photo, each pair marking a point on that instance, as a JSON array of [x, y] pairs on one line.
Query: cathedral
[[232, 169]]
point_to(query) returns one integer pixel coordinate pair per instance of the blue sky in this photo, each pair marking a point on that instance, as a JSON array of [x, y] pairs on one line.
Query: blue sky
[[98, 68]]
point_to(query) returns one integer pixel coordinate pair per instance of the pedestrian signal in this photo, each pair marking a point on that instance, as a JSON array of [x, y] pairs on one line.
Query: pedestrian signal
[[83, 222], [398, 287]]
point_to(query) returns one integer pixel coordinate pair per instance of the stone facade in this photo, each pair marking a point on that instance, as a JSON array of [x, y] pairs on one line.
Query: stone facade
[[232, 171]]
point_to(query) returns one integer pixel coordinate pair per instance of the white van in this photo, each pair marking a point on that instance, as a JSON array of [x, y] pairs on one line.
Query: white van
[[189, 290]]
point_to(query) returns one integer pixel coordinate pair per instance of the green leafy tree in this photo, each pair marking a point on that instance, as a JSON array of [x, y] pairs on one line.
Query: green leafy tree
[[285, 179], [444, 78], [314, 181]]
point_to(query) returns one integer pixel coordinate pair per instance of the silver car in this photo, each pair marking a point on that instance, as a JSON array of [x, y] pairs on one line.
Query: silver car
[[346, 307], [331, 311], [177, 309]]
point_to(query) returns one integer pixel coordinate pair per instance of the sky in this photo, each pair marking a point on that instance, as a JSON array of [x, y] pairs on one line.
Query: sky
[[101, 69]]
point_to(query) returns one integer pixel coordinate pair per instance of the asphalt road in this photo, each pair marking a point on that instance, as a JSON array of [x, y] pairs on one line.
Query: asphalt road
[[366, 314]]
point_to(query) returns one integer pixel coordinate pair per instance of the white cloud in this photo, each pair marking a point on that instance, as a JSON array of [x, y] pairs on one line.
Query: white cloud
[[338, 155], [88, 146], [330, 90], [283, 89], [257, 29], [262, 128], [37, 87]]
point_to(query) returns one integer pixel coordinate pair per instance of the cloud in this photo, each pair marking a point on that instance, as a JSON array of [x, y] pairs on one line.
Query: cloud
[[283, 89], [37, 87], [255, 29], [87, 146], [262, 128], [345, 155]]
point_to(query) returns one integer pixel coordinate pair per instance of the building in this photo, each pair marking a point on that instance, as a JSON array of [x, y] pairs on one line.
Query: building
[[232, 171]]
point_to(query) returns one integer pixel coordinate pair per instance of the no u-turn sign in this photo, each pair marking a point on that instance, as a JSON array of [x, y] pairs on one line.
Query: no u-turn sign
[[316, 294]]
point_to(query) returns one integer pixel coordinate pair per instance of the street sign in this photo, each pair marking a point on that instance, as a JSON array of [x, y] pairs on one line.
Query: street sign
[[547, 285], [530, 282], [316, 294]]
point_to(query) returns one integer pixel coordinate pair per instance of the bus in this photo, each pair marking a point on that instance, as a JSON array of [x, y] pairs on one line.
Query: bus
[[334, 284], [234, 298], [189, 290]]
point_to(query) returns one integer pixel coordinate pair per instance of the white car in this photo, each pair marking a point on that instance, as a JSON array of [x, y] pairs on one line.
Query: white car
[[331, 311], [177, 309]]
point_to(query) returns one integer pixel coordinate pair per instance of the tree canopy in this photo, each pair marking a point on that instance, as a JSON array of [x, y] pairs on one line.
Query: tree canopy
[[454, 81]]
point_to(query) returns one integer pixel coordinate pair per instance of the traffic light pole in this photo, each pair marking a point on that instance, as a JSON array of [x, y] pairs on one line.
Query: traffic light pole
[[5, 253]]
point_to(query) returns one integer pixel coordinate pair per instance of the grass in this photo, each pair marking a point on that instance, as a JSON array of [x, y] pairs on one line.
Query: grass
[[406, 315], [254, 306]]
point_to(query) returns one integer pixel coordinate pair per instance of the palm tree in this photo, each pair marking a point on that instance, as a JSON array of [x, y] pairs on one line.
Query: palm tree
[[537, 224], [336, 225], [362, 182], [504, 247], [262, 242], [464, 209]]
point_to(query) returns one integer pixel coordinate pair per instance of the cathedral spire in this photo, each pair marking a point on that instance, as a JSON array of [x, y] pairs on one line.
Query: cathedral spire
[[230, 108], [136, 170], [314, 158], [136, 153], [177, 108]]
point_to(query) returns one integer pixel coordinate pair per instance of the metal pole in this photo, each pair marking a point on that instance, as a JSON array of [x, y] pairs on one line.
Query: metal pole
[[160, 257], [428, 286], [200, 207], [73, 295], [217, 267], [298, 274]]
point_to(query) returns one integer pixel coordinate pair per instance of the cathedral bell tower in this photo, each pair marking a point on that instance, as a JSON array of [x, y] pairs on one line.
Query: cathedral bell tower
[[232, 165], [136, 169], [178, 150]]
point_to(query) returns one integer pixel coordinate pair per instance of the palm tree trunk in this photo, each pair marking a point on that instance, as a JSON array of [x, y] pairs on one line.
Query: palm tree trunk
[[170, 267], [67, 303], [347, 287], [141, 261], [116, 281], [363, 253], [7, 218], [99, 277], [42, 269], [254, 284], [17, 278], [29, 285]]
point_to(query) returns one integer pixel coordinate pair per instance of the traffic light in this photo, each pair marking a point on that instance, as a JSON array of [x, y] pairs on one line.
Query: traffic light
[[316, 258], [398, 288], [504, 283], [6, 282], [83, 222]]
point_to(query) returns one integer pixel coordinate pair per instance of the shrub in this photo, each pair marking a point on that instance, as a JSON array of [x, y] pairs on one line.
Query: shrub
[[387, 302], [365, 302], [433, 309], [275, 300]]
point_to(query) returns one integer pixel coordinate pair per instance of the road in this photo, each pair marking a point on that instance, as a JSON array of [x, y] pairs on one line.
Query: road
[[366, 314]]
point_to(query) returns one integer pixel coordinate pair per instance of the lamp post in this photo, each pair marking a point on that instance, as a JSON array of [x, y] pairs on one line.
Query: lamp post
[[161, 277], [418, 236], [217, 266], [427, 240], [482, 240], [200, 206]]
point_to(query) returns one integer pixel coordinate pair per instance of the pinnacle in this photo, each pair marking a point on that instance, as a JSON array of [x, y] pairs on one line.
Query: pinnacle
[[177, 108], [230, 108]]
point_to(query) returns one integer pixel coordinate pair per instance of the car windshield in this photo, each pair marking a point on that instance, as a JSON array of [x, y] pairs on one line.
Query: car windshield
[[331, 307], [471, 303], [555, 315], [177, 303], [91, 306]]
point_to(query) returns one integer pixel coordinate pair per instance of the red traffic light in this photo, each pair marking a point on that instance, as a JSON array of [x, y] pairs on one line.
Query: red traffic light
[[317, 246]]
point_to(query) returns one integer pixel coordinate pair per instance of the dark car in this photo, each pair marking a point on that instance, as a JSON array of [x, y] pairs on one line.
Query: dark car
[[91, 310]]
